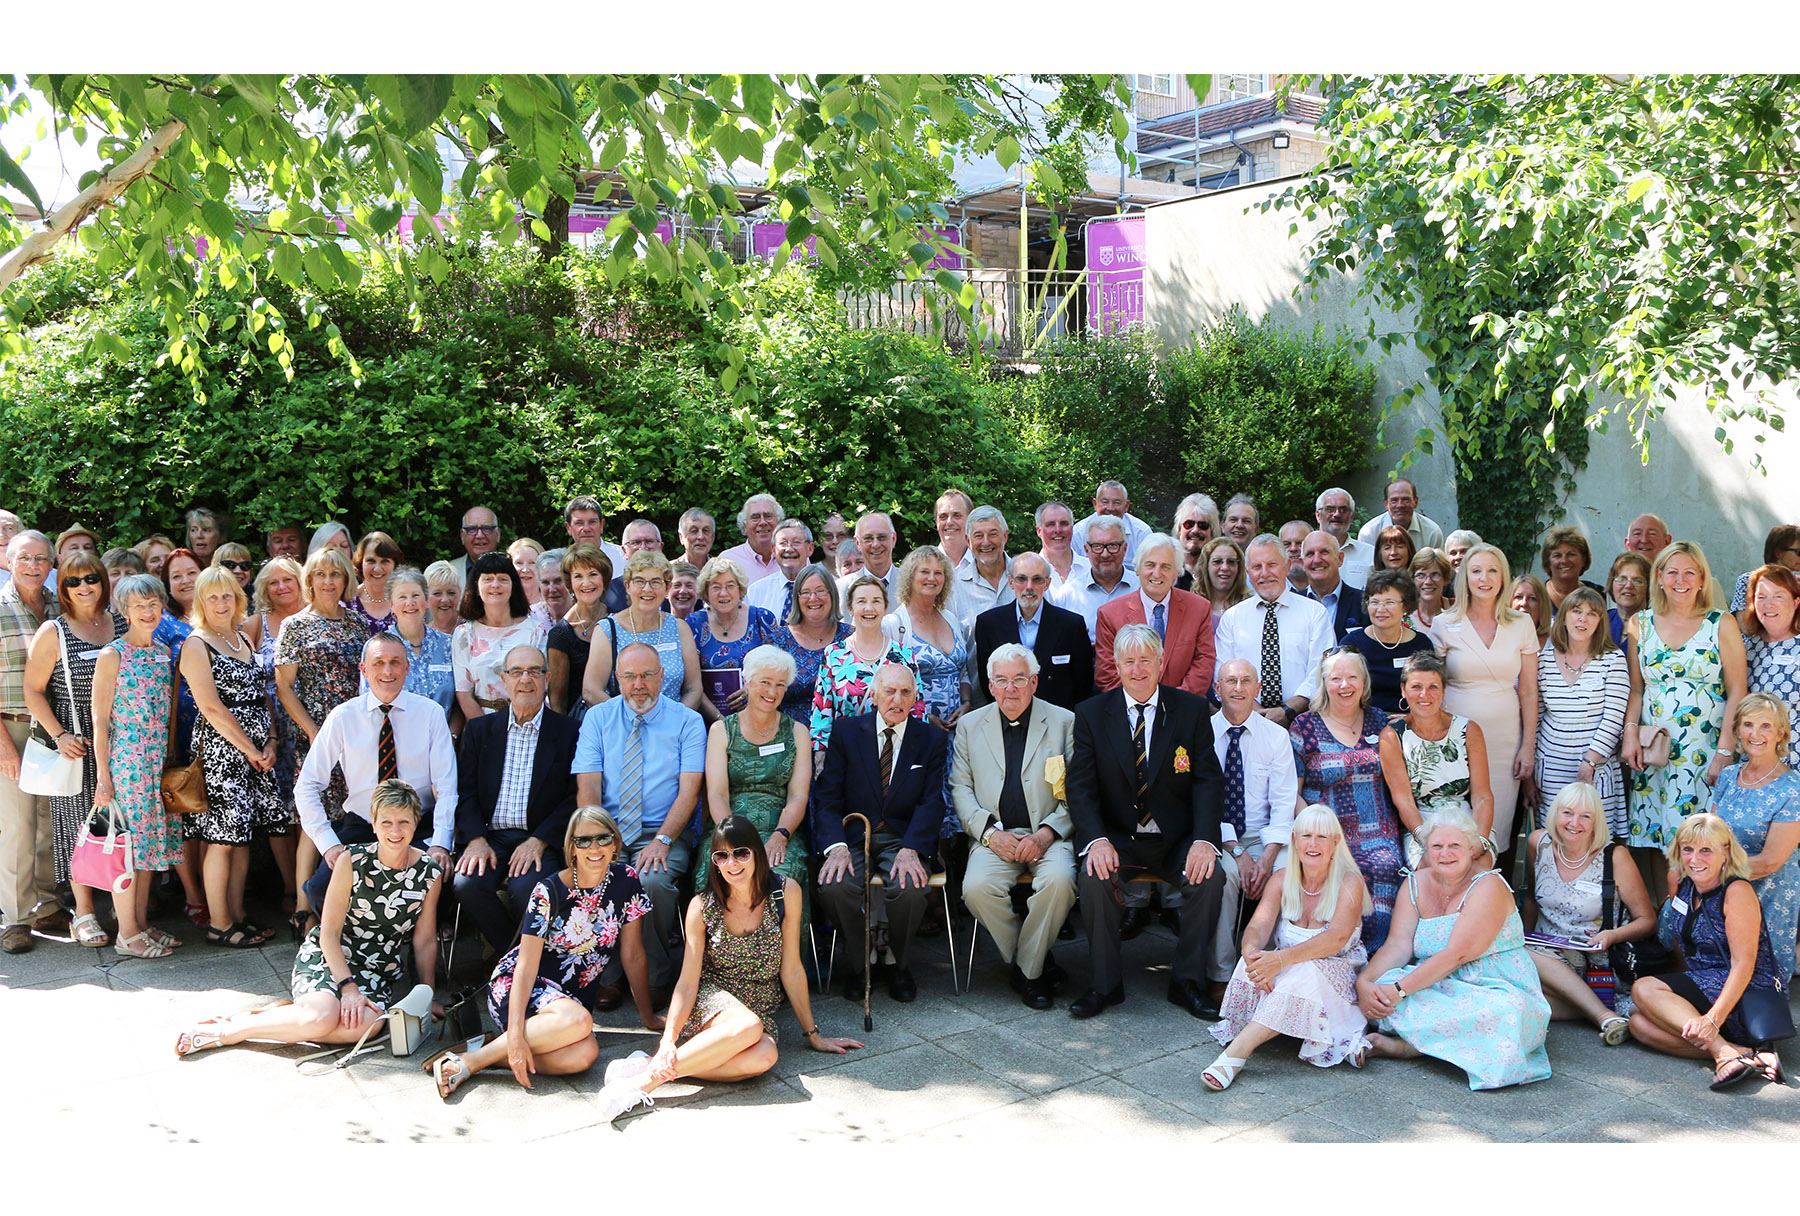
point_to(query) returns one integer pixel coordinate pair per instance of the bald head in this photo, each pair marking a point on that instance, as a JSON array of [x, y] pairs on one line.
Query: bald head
[[1648, 535]]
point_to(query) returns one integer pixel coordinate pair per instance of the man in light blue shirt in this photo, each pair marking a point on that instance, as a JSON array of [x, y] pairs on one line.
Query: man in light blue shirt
[[641, 756]]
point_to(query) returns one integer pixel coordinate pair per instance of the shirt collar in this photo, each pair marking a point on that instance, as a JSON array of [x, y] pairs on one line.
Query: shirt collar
[[372, 704], [899, 730], [1131, 702], [650, 715], [537, 720], [1036, 617]]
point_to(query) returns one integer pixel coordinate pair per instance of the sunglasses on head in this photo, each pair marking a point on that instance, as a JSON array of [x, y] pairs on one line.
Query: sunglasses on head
[[598, 840], [740, 855], [86, 580]]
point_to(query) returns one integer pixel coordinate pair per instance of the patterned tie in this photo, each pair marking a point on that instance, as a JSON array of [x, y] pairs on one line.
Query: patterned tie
[[1161, 628], [787, 603], [1271, 656], [887, 760], [387, 759], [1143, 764], [631, 777], [1234, 778]]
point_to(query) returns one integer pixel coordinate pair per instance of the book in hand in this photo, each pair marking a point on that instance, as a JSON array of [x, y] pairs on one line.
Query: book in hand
[[1549, 941], [719, 683]]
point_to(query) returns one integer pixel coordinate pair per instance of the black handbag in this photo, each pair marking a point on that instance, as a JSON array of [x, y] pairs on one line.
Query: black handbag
[[1762, 1014], [1631, 961]]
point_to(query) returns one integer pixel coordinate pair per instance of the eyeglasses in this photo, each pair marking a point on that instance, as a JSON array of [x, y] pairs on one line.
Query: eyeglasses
[[646, 584], [599, 840], [1117, 546], [229, 564], [740, 855], [1014, 682], [481, 529], [535, 673]]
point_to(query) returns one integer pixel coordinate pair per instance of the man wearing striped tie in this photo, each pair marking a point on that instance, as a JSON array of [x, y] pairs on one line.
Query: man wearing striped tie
[[1144, 791]]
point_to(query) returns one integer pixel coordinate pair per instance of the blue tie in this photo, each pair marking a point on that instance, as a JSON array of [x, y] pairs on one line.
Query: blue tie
[[787, 603], [1234, 778], [1161, 629]]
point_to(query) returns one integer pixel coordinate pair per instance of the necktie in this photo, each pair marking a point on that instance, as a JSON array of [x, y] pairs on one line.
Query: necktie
[[1271, 656], [1161, 628], [787, 603], [1143, 764], [1234, 778], [631, 776], [387, 757], [887, 759]]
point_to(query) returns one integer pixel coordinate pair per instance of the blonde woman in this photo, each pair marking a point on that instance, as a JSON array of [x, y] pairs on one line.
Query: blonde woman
[[445, 587], [1759, 800], [1305, 987], [525, 553], [940, 644], [235, 558]]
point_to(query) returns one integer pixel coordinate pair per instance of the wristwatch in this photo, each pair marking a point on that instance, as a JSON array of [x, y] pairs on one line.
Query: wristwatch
[[1237, 850], [785, 834], [664, 841], [988, 835]]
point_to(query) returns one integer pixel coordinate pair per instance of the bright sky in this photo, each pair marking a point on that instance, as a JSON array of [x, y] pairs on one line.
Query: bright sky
[[55, 167]]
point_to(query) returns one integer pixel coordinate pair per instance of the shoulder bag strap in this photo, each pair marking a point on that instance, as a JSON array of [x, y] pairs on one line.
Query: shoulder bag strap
[[1606, 887], [62, 639]]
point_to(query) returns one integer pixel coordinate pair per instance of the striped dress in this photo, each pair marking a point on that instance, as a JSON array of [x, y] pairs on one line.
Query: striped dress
[[1572, 718]]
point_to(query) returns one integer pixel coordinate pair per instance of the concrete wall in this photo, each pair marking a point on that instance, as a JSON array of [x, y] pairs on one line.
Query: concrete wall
[[1208, 253]]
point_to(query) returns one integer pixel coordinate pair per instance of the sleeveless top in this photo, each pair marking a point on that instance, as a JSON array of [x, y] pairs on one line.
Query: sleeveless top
[[1567, 908], [1437, 770]]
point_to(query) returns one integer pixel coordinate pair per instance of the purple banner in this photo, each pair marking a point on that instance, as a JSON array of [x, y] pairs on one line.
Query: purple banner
[[1115, 263], [582, 224], [765, 239]]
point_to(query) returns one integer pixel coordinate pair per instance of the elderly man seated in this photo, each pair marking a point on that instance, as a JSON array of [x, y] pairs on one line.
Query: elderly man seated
[[515, 792], [1006, 781], [891, 769]]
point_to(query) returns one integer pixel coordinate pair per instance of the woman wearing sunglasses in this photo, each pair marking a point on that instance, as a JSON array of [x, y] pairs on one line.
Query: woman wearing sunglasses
[[236, 558], [543, 990], [721, 1024]]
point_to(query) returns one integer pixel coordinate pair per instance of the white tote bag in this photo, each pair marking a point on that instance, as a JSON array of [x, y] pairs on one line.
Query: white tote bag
[[42, 769]]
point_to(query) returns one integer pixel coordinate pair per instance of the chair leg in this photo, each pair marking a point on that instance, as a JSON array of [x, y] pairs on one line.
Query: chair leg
[[950, 936], [447, 951], [974, 937]]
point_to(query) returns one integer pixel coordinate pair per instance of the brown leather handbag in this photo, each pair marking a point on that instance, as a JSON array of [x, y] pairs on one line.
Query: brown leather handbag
[[1653, 743], [184, 789]]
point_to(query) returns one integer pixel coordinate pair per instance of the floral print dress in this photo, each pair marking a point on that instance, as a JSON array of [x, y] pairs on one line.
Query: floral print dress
[[746, 969], [1774, 668], [1313, 1000], [240, 801], [580, 930], [378, 926], [1684, 690], [138, 742], [1437, 770], [797, 701], [845, 683], [327, 655], [1349, 781], [1751, 814]]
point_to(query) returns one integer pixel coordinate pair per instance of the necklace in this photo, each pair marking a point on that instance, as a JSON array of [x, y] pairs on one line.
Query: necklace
[[1577, 863], [1314, 894], [230, 647], [1745, 783], [1384, 645]]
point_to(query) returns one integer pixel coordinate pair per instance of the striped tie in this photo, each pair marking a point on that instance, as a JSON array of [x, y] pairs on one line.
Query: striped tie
[[1143, 764], [631, 778], [887, 760], [387, 758]]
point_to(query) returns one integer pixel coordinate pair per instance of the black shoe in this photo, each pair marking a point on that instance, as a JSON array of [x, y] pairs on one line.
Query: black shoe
[[853, 986], [1016, 978], [1135, 922], [1170, 919], [1037, 994], [1090, 1002], [1053, 974], [902, 987], [607, 999], [1185, 994]]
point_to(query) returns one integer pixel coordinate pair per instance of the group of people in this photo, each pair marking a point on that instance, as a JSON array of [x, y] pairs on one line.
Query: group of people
[[1328, 757]]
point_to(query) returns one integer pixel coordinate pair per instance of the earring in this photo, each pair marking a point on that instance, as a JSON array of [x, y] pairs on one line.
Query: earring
[[1404, 703]]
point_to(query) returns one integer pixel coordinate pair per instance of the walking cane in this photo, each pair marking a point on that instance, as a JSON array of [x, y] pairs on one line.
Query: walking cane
[[868, 874]]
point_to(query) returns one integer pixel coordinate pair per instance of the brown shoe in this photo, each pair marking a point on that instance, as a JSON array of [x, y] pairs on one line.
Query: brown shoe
[[54, 923], [16, 939]]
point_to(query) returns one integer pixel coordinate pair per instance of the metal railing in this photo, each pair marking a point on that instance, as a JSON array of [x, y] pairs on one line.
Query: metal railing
[[1014, 311]]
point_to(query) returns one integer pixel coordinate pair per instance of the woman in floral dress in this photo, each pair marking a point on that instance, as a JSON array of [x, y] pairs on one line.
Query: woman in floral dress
[[847, 673], [544, 989], [1433, 760], [134, 707]]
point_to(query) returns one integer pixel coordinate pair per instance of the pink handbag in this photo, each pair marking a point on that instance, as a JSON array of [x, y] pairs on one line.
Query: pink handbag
[[103, 862]]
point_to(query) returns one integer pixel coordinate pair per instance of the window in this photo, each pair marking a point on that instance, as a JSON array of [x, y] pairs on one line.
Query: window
[[1162, 84], [1235, 86]]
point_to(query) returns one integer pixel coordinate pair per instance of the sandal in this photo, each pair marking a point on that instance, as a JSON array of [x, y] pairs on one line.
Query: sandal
[[194, 1039], [255, 930], [1724, 1076], [166, 939], [1221, 1072], [1360, 1058], [1769, 1064], [449, 1072], [1614, 1030], [197, 913], [88, 932], [236, 937], [145, 947], [301, 922]]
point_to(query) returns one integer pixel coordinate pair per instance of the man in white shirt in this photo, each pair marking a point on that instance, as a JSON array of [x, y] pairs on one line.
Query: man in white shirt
[[1111, 501], [585, 523], [793, 552], [1256, 821], [1108, 578], [983, 580], [1281, 635], [1055, 530], [757, 522], [1335, 510], [875, 541], [1402, 502], [385, 733], [952, 511]]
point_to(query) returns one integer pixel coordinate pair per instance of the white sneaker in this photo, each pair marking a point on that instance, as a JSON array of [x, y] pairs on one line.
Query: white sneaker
[[627, 1068], [616, 1100]]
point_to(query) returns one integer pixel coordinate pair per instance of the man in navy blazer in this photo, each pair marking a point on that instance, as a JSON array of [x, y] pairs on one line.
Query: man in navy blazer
[[907, 819], [515, 792], [1058, 637], [1323, 562]]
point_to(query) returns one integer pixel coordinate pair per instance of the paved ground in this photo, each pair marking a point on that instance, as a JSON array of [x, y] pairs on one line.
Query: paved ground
[[975, 1070]]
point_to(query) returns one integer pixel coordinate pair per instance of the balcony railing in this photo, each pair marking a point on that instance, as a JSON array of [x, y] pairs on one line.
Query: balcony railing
[[1014, 310]]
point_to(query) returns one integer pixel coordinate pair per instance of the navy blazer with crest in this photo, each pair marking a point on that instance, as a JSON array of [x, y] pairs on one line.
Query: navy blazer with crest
[[1183, 799], [850, 781], [481, 760]]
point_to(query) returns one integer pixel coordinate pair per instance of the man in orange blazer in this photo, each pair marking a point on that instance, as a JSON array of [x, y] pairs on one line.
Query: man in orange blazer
[[1183, 618]]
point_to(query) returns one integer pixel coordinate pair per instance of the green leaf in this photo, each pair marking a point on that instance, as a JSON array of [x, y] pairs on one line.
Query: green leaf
[[218, 219], [12, 175], [287, 262], [1007, 151], [422, 101]]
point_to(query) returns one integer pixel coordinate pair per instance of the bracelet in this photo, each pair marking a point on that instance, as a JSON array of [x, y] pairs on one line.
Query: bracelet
[[812, 1032], [785, 834]]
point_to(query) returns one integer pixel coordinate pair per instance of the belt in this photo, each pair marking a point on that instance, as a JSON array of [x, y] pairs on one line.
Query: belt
[[16, 717], [491, 705]]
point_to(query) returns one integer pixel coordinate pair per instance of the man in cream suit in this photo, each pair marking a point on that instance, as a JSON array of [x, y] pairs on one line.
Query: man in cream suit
[[1006, 782]]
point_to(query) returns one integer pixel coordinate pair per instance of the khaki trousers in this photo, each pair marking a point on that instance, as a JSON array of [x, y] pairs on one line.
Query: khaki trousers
[[27, 844], [987, 892]]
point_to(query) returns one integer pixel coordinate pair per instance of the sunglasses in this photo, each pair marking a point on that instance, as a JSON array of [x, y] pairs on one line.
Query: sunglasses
[[236, 565], [740, 855], [599, 840], [86, 580]]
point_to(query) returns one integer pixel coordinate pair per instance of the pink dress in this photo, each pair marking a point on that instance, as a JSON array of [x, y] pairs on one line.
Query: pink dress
[[1313, 1001], [1484, 687]]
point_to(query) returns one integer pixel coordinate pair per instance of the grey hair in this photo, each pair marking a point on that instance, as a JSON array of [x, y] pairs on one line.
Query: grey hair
[[384, 638], [1112, 485], [1319, 502], [834, 613], [1457, 820], [409, 574], [1467, 536], [984, 513], [1106, 521], [649, 523], [1263, 538], [769, 658], [1012, 652], [552, 557], [1037, 516], [790, 524], [1248, 501], [1156, 540], [1136, 636], [138, 587], [441, 572], [323, 535], [696, 513], [1198, 504], [743, 515], [19, 538]]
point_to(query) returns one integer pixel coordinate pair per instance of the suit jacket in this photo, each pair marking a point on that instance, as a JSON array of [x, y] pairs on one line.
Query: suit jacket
[[1102, 782], [1350, 614], [482, 759], [1064, 654], [850, 780], [1187, 641], [978, 768]]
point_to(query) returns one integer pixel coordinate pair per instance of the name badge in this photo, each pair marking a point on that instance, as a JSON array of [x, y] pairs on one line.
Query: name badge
[[442, 667], [771, 749], [159, 658], [88, 656], [1454, 628], [1786, 660], [412, 895], [668, 646], [1399, 662], [1679, 904], [1371, 738], [1587, 887], [1060, 659]]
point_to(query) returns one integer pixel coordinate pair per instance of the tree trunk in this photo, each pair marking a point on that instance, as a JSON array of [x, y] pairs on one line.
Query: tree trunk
[[67, 218], [556, 218]]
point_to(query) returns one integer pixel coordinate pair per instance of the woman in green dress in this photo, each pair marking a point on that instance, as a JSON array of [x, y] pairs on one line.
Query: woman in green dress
[[759, 766]]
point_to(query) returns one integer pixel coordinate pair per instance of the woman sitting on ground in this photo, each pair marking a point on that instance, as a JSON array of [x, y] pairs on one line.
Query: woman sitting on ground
[[544, 989], [1453, 980], [1306, 986], [745, 934], [352, 965], [1565, 864], [1727, 1004]]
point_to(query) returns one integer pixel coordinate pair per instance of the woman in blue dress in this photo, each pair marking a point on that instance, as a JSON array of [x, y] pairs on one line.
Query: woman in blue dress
[[940, 645], [1487, 1016], [1759, 800], [725, 631], [813, 627]]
